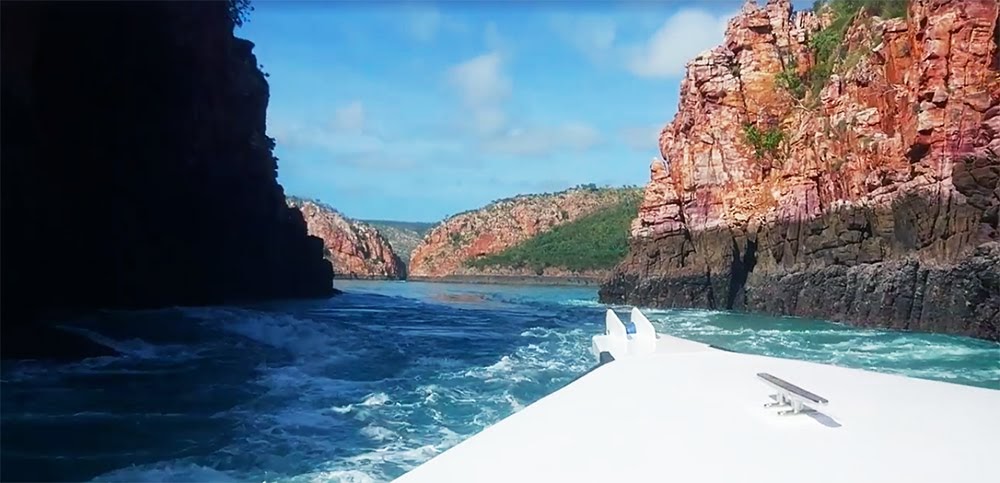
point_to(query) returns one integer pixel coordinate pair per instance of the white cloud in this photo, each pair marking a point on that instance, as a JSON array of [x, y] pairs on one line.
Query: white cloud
[[423, 24], [327, 137], [488, 120], [492, 38], [480, 80], [350, 118], [593, 35], [483, 87], [347, 140], [684, 35], [542, 141], [642, 138], [358, 150]]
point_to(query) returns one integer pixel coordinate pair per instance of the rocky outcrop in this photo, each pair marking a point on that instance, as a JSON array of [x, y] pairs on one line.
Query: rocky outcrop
[[355, 249], [502, 224], [136, 168], [872, 199], [404, 236]]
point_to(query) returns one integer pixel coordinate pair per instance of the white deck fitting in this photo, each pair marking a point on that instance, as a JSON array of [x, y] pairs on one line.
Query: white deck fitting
[[691, 413], [617, 342]]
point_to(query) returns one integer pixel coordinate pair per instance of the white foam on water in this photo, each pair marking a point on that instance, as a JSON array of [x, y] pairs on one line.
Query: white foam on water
[[915, 355], [441, 363], [453, 403], [400, 456], [535, 332], [679, 314], [342, 409], [515, 405], [335, 476], [175, 471], [392, 425], [583, 303], [405, 427], [376, 399], [378, 433], [299, 336], [136, 348]]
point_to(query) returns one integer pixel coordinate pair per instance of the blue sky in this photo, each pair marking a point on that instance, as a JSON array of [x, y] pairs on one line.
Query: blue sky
[[416, 110]]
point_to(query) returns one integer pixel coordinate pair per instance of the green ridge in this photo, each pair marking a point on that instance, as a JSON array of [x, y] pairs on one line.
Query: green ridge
[[596, 241], [418, 227]]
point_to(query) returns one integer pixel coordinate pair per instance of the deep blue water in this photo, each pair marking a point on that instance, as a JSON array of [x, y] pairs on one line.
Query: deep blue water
[[365, 385]]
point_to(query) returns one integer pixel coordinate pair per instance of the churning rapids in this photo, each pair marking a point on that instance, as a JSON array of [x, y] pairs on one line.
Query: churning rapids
[[366, 385]]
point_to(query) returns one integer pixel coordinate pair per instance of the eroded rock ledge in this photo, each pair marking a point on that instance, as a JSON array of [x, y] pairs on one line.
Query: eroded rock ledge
[[879, 205]]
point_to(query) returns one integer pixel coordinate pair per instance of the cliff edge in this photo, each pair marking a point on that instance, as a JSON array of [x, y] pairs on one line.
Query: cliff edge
[[832, 164], [354, 249]]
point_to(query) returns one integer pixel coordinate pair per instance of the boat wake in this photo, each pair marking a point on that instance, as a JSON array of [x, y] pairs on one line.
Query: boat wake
[[367, 386]]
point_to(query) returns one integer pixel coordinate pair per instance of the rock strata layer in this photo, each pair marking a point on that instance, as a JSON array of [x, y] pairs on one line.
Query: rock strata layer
[[355, 249], [879, 205], [136, 167]]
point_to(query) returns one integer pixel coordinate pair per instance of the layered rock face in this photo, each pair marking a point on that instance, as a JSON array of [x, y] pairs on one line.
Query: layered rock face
[[354, 249], [501, 225], [136, 168], [878, 206]]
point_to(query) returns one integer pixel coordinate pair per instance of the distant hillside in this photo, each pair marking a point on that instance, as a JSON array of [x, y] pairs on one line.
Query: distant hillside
[[404, 236], [488, 241], [597, 241]]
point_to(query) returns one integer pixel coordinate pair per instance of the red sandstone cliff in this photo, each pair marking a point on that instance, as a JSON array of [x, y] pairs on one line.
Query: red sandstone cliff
[[354, 249], [879, 204], [501, 225]]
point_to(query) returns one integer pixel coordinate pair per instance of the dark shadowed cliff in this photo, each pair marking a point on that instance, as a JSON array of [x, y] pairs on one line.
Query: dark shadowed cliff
[[136, 168]]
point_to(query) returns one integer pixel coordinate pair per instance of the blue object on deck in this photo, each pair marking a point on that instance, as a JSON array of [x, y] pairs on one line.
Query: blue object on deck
[[629, 328]]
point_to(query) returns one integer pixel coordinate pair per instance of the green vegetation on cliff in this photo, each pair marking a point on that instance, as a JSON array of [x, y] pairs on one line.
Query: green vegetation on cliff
[[595, 241], [297, 201], [829, 46], [419, 227]]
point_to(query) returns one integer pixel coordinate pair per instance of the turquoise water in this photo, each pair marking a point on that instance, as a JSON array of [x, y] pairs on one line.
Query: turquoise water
[[367, 385]]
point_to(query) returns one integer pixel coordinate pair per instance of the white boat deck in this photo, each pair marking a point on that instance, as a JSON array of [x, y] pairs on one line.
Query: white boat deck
[[691, 413]]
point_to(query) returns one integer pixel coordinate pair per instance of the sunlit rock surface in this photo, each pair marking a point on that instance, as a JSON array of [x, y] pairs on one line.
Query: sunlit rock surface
[[878, 208]]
